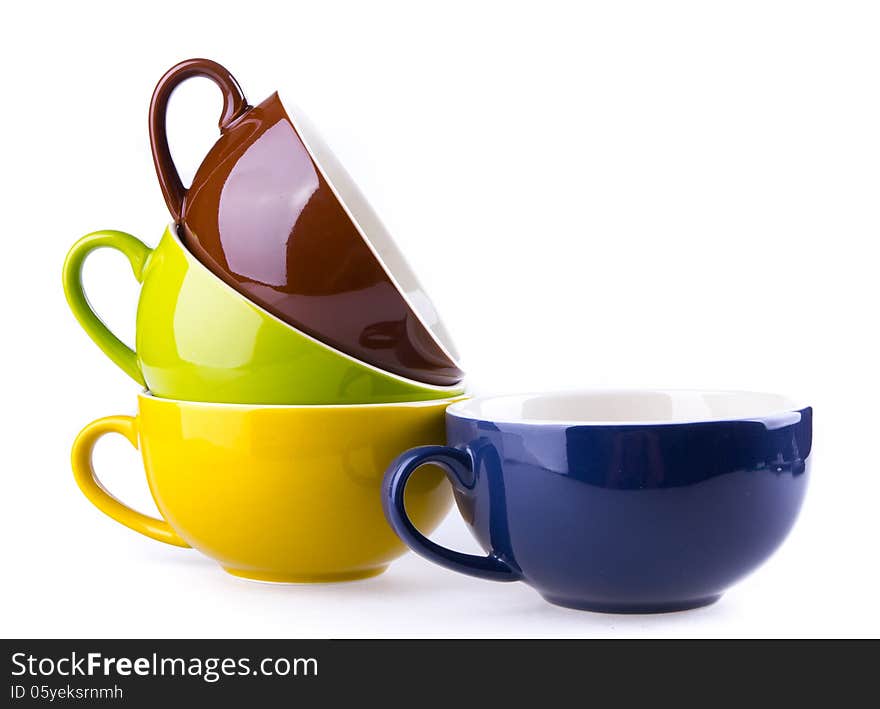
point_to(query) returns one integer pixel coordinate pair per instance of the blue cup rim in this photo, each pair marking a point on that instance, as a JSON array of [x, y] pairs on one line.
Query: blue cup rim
[[685, 407]]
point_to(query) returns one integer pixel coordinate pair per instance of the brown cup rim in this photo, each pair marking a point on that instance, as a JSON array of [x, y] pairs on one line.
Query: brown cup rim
[[448, 347]]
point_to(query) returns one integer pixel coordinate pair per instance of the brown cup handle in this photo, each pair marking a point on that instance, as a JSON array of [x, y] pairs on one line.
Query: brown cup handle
[[234, 105]]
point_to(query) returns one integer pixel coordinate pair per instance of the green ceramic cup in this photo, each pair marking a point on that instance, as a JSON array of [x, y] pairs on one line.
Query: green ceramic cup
[[199, 340]]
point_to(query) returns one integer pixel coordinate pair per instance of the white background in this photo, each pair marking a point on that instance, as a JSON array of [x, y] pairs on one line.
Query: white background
[[610, 194]]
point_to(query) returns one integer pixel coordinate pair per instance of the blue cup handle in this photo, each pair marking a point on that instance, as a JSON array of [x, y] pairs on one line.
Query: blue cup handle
[[458, 467]]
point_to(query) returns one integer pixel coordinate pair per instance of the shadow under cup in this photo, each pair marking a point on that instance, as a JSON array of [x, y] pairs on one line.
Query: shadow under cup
[[273, 493]]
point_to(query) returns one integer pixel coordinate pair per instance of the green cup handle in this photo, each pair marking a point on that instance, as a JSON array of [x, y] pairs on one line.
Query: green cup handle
[[137, 253]]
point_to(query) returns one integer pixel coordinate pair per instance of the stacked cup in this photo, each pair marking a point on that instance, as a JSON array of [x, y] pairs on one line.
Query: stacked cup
[[287, 351]]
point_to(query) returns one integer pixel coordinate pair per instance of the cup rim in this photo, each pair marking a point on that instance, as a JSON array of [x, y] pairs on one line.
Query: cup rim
[[787, 412], [421, 403], [298, 118], [171, 229]]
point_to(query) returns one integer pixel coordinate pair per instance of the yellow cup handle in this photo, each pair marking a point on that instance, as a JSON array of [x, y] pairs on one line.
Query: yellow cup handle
[[84, 473]]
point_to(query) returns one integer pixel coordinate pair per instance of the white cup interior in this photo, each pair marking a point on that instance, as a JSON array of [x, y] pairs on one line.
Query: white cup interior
[[627, 407], [373, 231]]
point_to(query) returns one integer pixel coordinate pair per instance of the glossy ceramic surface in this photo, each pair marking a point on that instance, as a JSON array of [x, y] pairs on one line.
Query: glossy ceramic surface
[[271, 212], [198, 339], [597, 511], [283, 494]]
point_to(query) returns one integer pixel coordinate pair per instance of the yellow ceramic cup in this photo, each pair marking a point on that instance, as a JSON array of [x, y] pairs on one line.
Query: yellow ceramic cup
[[274, 493]]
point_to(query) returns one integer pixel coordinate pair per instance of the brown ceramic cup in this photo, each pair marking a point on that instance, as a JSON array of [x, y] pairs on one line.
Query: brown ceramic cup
[[272, 213]]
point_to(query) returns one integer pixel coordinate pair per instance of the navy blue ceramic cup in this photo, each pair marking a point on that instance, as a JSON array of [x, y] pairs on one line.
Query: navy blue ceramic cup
[[624, 502]]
